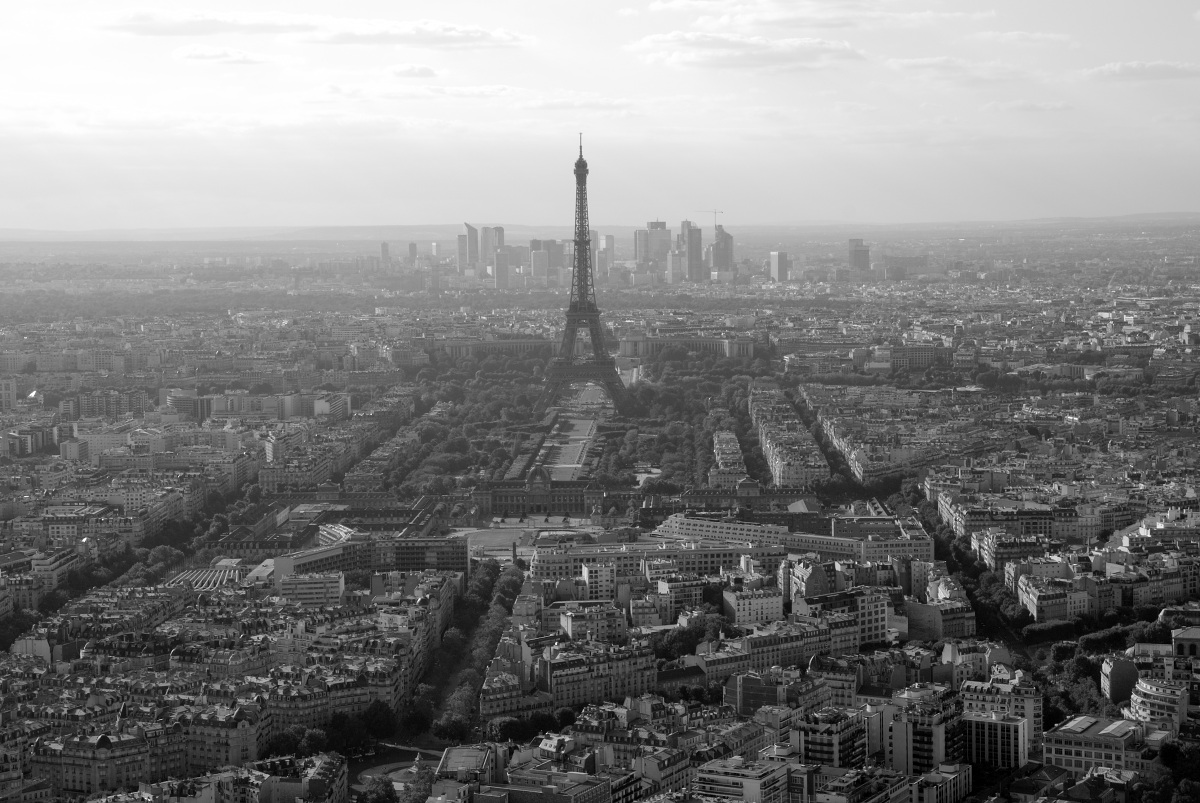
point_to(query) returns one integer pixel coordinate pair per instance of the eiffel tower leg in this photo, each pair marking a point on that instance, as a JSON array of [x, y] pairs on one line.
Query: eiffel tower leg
[[621, 398]]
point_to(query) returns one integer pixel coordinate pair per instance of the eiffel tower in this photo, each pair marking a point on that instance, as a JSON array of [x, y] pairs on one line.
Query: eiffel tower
[[582, 313]]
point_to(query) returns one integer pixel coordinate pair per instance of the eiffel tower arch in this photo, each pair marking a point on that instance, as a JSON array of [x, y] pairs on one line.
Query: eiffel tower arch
[[596, 365]]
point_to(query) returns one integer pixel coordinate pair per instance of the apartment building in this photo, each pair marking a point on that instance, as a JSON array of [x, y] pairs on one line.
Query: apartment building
[[682, 525], [1160, 703], [927, 729], [702, 558], [84, 763], [996, 547], [584, 672], [752, 606], [317, 589], [835, 737], [996, 739], [736, 779], [1012, 693], [601, 581], [680, 593], [868, 605]]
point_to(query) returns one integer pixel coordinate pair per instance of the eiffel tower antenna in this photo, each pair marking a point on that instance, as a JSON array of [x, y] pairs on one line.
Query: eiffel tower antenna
[[583, 313]]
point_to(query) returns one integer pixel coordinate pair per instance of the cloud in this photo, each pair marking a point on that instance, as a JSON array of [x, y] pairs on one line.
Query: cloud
[[627, 12], [725, 14], [735, 51], [577, 101], [690, 5], [152, 24], [831, 18], [435, 91], [950, 68], [209, 54], [412, 71], [421, 33], [1024, 38], [852, 106], [1178, 117], [1027, 106], [1143, 71], [482, 91], [322, 29]]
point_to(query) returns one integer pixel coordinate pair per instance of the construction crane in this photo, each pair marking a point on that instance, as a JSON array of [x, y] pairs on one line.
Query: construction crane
[[715, 212]]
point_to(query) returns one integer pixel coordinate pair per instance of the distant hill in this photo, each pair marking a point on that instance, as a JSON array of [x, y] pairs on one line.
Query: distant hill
[[519, 233]]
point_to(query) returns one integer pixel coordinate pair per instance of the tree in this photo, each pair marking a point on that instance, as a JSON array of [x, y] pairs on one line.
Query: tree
[[452, 726], [565, 717], [425, 698], [505, 729], [287, 742], [454, 642], [413, 722], [314, 741], [379, 719], [419, 788], [51, 602], [379, 789]]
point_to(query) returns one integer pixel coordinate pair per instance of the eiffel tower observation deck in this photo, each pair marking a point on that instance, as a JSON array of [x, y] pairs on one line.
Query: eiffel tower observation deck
[[596, 364]]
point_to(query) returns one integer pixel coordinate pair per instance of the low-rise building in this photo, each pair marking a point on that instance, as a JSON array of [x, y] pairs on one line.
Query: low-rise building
[[1085, 741]]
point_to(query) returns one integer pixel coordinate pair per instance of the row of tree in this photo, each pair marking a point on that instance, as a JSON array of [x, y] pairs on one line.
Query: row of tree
[[447, 700], [459, 712]]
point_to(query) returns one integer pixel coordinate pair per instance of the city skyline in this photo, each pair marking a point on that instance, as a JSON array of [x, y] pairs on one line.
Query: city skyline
[[871, 112]]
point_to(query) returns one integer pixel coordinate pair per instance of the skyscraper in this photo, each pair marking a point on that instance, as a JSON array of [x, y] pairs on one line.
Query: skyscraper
[[605, 256], [487, 244], [384, 254], [722, 250], [594, 244], [860, 256], [779, 266], [500, 268], [462, 254], [412, 254], [557, 253], [472, 247], [653, 243], [692, 248], [498, 236]]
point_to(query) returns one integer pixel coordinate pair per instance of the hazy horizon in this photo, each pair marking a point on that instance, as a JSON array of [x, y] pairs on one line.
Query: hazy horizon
[[788, 112], [421, 231]]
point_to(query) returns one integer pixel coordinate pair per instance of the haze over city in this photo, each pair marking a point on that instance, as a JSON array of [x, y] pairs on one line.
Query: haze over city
[[243, 113], [660, 401]]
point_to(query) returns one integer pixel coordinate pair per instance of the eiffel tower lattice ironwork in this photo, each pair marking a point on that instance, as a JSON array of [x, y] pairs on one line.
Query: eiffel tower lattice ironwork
[[582, 313]]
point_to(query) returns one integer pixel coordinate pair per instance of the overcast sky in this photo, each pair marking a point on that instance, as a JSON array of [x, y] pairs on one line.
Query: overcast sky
[[218, 113]]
